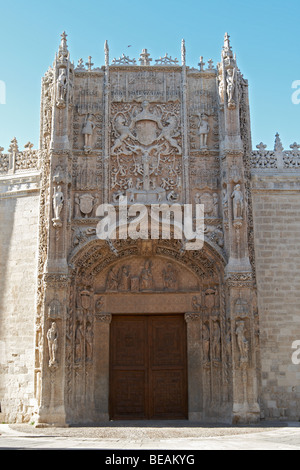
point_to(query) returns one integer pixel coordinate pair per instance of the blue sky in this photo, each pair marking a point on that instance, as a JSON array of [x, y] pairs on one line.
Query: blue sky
[[264, 34]]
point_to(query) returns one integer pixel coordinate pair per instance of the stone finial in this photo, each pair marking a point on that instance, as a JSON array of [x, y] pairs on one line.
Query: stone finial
[[106, 52], [227, 50], [183, 52], [28, 146], [13, 148], [145, 57], [201, 64], [278, 144], [63, 53], [89, 63]]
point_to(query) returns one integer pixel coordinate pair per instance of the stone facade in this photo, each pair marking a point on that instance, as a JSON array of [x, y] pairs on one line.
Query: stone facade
[[155, 132]]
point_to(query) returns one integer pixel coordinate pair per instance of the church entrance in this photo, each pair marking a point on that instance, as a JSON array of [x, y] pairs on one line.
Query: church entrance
[[148, 367]]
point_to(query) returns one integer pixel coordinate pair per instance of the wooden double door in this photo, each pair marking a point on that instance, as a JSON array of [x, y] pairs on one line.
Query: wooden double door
[[148, 367]]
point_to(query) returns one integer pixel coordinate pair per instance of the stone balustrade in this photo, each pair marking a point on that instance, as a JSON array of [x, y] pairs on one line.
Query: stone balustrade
[[277, 158], [16, 160]]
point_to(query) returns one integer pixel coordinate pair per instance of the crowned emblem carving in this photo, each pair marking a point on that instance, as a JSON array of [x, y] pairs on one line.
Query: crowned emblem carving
[[144, 150]]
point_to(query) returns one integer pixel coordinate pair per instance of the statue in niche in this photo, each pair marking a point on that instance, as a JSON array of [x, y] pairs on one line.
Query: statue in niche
[[203, 131], [206, 342], [170, 278], [146, 277], [230, 87], [87, 131], [242, 342], [58, 202], [238, 202], [52, 337], [61, 88]]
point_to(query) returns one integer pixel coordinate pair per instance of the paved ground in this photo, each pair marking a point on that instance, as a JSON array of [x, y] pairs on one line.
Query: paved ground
[[153, 435]]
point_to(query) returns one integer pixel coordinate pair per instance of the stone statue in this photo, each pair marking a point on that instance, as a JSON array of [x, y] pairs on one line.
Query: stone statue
[[61, 88], [203, 131], [88, 129], [58, 202], [230, 87], [238, 202], [52, 337], [242, 342]]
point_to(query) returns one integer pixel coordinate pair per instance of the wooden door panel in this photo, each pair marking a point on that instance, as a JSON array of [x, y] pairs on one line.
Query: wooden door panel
[[148, 373], [129, 394], [167, 342], [168, 398], [128, 342]]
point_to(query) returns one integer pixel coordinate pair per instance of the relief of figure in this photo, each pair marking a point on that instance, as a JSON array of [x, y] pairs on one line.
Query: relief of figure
[[169, 133], [203, 131], [124, 284], [146, 278], [238, 202], [52, 337], [61, 88], [123, 131], [170, 278], [112, 281], [87, 131], [242, 342], [58, 202], [206, 342]]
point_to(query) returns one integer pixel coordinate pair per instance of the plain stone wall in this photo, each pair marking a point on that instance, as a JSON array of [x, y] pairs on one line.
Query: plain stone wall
[[277, 249], [18, 267]]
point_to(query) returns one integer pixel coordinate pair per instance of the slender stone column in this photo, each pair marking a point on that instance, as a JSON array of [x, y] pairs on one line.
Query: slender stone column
[[102, 333], [195, 402]]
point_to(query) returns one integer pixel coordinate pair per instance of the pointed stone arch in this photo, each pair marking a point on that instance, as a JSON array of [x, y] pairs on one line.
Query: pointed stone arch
[[190, 283]]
